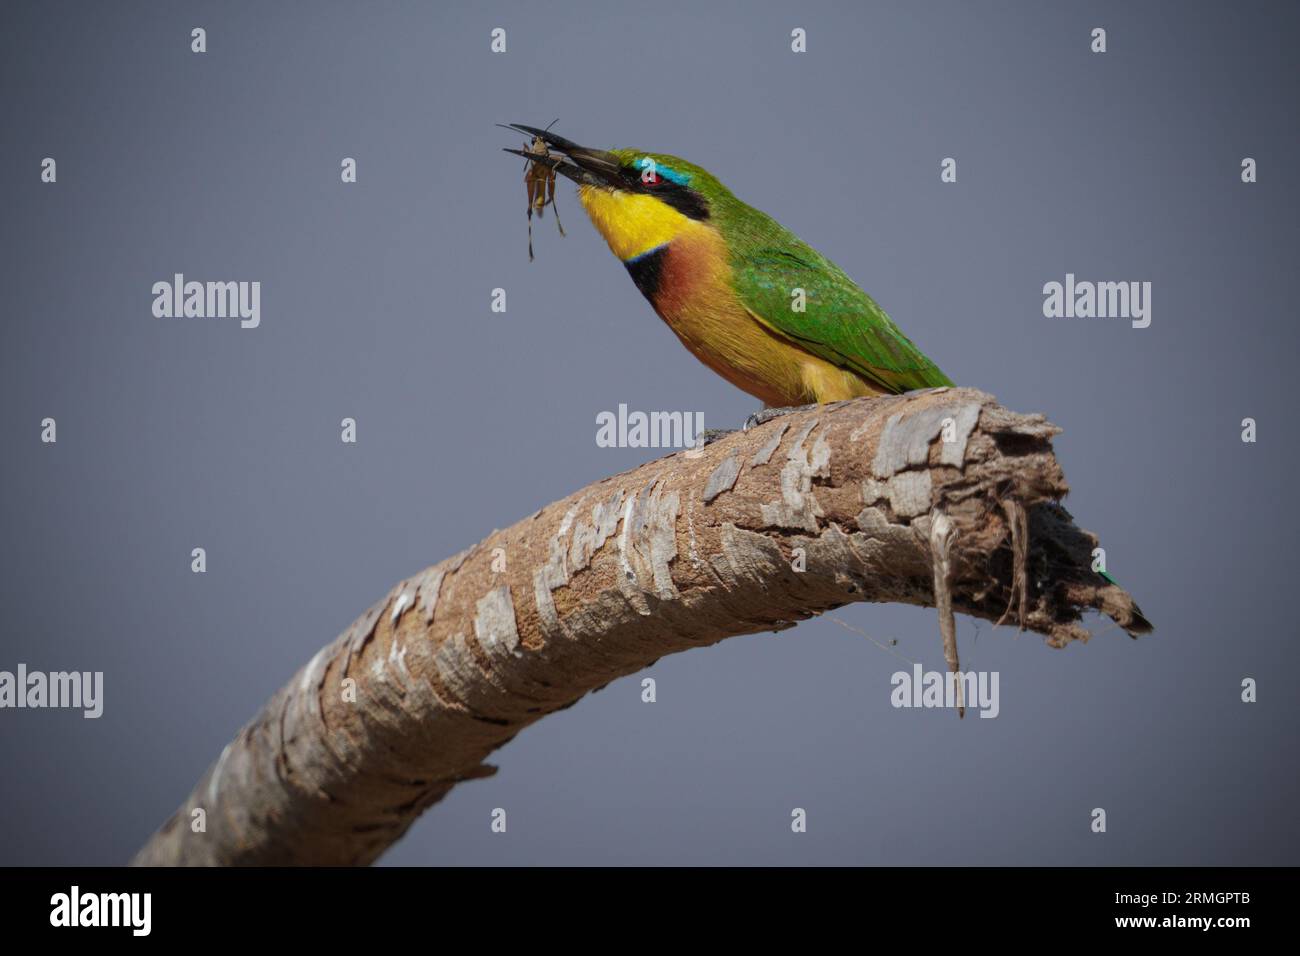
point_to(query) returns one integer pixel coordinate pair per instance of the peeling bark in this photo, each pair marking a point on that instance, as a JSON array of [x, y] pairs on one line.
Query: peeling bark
[[936, 498]]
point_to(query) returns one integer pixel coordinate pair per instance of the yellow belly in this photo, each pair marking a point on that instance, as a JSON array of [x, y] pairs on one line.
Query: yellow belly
[[722, 334]]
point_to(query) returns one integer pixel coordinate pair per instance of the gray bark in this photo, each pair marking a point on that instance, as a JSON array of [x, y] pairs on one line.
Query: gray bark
[[940, 498]]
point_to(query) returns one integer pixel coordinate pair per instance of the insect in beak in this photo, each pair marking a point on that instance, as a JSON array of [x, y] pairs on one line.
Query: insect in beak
[[539, 177]]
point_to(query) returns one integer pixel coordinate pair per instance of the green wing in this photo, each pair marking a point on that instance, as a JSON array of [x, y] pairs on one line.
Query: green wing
[[840, 322]]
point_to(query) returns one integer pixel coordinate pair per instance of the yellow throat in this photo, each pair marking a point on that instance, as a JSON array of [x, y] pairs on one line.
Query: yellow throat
[[633, 223]]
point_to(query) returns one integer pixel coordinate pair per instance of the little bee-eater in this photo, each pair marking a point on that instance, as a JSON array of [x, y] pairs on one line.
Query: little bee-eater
[[748, 297]]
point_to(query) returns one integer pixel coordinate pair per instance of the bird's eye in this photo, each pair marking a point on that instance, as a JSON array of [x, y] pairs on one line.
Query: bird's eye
[[647, 172]]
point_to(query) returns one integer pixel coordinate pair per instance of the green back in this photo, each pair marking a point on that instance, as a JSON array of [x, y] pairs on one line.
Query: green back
[[840, 322]]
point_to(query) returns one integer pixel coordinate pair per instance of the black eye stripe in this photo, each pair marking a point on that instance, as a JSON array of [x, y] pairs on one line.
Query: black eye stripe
[[682, 198], [686, 201]]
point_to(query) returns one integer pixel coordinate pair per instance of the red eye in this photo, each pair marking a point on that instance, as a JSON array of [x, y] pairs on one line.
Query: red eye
[[651, 178]]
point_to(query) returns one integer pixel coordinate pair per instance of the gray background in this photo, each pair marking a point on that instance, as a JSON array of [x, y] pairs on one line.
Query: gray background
[[182, 433]]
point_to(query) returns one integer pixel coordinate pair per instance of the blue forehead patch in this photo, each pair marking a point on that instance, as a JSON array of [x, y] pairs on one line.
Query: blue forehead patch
[[665, 172]]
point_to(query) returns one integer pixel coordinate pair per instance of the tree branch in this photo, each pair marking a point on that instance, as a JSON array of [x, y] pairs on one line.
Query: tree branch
[[938, 498]]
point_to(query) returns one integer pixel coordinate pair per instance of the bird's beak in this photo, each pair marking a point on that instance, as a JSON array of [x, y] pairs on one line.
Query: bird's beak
[[586, 167]]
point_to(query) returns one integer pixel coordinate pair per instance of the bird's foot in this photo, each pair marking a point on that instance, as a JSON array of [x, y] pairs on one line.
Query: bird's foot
[[764, 415], [710, 435]]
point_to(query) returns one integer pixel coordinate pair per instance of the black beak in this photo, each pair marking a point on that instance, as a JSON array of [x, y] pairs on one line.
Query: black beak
[[586, 167]]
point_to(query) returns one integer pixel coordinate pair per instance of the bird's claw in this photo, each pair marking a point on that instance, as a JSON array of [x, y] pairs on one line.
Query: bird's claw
[[765, 415], [710, 435]]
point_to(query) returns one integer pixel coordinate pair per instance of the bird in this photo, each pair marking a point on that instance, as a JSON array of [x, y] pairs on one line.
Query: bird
[[745, 295]]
